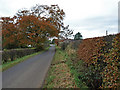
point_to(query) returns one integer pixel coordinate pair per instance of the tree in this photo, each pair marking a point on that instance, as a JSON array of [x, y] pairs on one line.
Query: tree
[[49, 21], [9, 33], [35, 31], [33, 27], [51, 13], [78, 36], [66, 33]]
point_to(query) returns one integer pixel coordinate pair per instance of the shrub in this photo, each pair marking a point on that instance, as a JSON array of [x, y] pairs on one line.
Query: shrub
[[111, 73], [102, 57], [5, 56], [11, 55], [64, 45], [76, 43], [39, 48]]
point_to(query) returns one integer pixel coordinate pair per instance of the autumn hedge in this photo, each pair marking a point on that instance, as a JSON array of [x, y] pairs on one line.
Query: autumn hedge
[[102, 61]]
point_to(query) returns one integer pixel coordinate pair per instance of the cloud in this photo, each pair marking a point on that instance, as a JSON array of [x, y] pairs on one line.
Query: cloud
[[4, 8], [95, 26], [91, 17]]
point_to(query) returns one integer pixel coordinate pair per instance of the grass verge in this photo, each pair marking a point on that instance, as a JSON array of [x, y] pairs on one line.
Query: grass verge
[[76, 66], [59, 75], [12, 63], [76, 72]]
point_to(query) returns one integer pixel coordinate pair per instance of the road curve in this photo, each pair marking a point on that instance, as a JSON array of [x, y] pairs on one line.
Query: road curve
[[30, 73]]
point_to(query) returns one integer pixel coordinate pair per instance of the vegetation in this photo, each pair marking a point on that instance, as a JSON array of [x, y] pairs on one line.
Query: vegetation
[[9, 64], [32, 27], [66, 33], [88, 63], [93, 63], [101, 61], [59, 75], [78, 36], [75, 65], [11, 55]]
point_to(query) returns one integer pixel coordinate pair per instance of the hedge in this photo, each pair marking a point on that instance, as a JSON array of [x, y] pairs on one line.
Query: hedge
[[101, 57], [11, 55]]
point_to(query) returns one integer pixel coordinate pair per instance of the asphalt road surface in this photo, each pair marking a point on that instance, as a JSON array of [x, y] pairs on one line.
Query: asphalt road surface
[[30, 73]]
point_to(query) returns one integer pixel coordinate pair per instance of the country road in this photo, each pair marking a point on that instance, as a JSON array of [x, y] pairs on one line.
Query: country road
[[30, 73]]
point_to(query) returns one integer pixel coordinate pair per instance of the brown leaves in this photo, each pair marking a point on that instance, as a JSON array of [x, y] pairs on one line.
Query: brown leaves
[[112, 61], [94, 50], [9, 31], [32, 26], [89, 48]]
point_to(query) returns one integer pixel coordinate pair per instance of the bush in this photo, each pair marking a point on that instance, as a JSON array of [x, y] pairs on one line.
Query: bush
[[5, 56], [101, 56], [11, 55], [64, 45], [76, 43], [39, 48], [0, 57]]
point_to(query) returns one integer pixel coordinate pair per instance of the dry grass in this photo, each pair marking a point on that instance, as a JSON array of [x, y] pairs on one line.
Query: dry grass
[[59, 75]]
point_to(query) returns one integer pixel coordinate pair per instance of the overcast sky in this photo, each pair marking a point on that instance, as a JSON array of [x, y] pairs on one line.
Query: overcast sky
[[90, 17]]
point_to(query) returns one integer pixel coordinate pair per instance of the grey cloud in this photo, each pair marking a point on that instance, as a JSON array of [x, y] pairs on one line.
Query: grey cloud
[[5, 10], [93, 23]]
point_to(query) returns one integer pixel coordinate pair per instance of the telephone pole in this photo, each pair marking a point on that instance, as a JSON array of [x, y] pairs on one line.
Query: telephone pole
[[106, 32]]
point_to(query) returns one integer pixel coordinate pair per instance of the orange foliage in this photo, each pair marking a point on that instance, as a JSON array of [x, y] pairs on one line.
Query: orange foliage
[[9, 31], [89, 48], [30, 27], [95, 52]]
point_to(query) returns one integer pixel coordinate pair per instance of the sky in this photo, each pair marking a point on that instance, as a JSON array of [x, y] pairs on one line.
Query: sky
[[89, 17]]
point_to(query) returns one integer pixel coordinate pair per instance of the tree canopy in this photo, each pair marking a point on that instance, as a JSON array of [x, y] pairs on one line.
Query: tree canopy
[[32, 27], [66, 32], [78, 36]]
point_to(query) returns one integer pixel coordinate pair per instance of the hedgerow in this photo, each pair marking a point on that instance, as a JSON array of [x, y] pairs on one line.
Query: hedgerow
[[111, 73], [101, 57], [11, 55]]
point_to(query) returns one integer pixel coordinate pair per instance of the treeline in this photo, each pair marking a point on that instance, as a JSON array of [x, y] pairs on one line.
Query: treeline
[[32, 27]]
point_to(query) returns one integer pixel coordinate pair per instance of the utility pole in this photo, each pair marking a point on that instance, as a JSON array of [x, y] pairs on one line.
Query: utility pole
[[106, 32]]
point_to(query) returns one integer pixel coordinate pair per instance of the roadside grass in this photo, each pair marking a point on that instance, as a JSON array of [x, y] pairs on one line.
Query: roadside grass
[[18, 60], [76, 73], [76, 66], [18, 49], [59, 74]]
